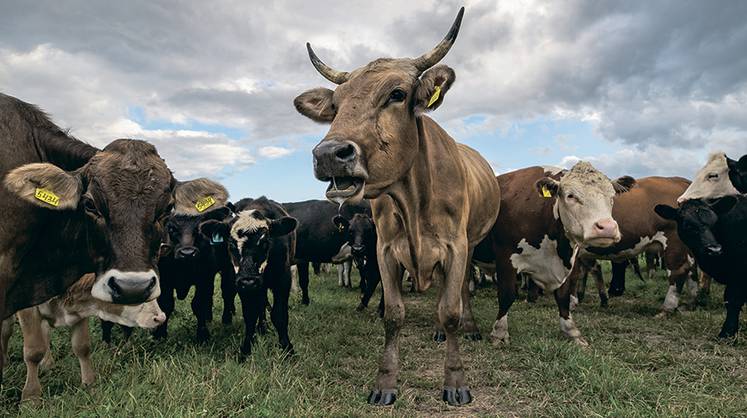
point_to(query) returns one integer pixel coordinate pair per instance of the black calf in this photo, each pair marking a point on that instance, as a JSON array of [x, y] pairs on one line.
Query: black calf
[[261, 242], [716, 232], [361, 236]]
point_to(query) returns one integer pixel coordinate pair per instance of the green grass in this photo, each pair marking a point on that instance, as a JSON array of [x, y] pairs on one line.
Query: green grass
[[637, 365]]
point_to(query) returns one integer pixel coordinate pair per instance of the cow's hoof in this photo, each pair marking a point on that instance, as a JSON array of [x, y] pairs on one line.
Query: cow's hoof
[[382, 397], [727, 334], [360, 308], [664, 314], [581, 342], [305, 301], [226, 319], [439, 336], [262, 328], [456, 397], [203, 335], [615, 292], [473, 336], [159, 334], [604, 303]]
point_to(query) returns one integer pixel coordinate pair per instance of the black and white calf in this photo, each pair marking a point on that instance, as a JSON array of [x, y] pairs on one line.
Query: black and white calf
[[716, 232], [261, 240], [360, 233]]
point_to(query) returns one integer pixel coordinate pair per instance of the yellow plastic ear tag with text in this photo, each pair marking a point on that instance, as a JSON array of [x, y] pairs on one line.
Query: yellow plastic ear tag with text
[[545, 192], [203, 204], [47, 197], [436, 95]]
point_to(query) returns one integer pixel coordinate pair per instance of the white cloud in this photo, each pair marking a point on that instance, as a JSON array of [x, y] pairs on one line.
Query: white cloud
[[274, 152]]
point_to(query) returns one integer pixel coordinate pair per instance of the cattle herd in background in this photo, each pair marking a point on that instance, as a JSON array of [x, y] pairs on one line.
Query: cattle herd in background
[[108, 232]]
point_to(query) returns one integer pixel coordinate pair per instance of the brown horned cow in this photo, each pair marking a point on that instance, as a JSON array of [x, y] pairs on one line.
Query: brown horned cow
[[432, 199]]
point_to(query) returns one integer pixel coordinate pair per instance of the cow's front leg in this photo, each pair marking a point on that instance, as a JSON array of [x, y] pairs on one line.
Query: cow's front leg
[[228, 293], [252, 304], [166, 303], [385, 392], [81, 342], [567, 324], [201, 306], [734, 298], [506, 280], [303, 280], [596, 271], [279, 314], [34, 350], [450, 313]]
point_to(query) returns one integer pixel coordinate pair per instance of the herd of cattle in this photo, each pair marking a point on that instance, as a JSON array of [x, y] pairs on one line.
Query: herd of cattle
[[111, 233]]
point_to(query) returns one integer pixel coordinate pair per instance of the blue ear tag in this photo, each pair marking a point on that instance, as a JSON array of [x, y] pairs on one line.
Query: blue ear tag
[[216, 239]]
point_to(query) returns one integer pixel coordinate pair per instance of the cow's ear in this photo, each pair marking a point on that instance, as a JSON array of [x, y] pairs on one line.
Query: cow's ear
[[45, 185], [623, 184], [723, 205], [547, 187], [213, 229], [433, 86], [341, 223], [316, 104], [667, 212], [738, 166], [282, 226]]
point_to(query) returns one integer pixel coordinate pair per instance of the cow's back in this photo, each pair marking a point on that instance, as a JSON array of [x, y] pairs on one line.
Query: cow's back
[[634, 209]]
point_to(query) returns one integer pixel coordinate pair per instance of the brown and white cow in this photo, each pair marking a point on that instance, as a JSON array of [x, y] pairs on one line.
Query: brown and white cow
[[545, 219], [432, 199], [78, 209], [71, 309]]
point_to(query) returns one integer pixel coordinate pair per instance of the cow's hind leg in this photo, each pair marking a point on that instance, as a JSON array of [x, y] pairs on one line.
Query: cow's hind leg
[[678, 267], [303, 281], [734, 298], [385, 391], [81, 342], [450, 310], [202, 306], [596, 271], [34, 349], [506, 280], [5, 334], [469, 325]]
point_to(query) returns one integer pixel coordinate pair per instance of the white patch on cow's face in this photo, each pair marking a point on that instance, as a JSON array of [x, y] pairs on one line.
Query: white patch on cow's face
[[711, 181], [543, 264], [246, 223], [671, 300], [584, 200], [145, 315]]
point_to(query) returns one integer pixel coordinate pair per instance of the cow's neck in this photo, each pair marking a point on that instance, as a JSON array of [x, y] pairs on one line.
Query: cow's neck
[[423, 217], [62, 150]]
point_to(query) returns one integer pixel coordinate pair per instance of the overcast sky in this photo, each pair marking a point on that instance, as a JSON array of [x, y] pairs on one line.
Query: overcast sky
[[635, 87]]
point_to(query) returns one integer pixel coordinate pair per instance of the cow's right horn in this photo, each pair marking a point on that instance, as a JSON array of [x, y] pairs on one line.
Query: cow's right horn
[[432, 57], [337, 77]]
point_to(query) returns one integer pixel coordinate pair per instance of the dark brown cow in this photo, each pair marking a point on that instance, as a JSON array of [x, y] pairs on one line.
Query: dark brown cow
[[432, 199], [71, 209], [538, 233]]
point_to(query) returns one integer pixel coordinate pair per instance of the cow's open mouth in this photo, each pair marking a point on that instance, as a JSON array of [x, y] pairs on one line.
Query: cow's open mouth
[[343, 188]]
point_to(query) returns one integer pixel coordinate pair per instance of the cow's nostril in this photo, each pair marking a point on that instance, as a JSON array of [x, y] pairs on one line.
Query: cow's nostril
[[112, 283], [152, 284], [345, 152]]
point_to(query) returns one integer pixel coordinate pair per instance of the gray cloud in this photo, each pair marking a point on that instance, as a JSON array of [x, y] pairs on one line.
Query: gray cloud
[[653, 76]]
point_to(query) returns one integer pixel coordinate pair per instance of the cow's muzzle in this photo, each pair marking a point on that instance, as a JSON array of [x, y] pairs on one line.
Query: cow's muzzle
[[339, 162], [604, 233], [126, 288], [249, 283], [187, 252]]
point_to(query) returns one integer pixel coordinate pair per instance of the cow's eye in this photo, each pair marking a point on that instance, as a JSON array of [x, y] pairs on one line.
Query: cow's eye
[[713, 176], [397, 95], [90, 206]]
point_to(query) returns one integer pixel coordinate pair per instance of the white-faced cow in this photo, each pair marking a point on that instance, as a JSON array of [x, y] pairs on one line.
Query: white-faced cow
[[261, 240], [81, 209], [432, 199], [721, 176], [545, 220], [71, 309]]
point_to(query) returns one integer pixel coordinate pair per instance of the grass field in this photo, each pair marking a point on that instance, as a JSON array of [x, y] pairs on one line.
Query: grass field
[[637, 365]]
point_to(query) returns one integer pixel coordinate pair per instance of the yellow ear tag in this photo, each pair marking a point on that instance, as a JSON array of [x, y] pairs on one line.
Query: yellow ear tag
[[47, 197], [545, 192], [436, 95], [203, 204]]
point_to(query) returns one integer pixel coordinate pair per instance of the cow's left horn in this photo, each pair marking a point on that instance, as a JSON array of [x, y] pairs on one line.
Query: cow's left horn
[[337, 77], [431, 58]]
